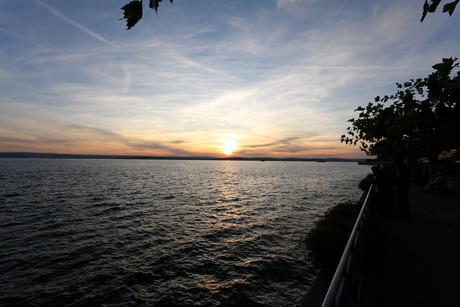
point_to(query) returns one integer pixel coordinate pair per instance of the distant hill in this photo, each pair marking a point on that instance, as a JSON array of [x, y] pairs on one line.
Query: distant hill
[[81, 156]]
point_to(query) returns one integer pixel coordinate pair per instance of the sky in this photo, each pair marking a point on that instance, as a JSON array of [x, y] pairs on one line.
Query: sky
[[206, 77]]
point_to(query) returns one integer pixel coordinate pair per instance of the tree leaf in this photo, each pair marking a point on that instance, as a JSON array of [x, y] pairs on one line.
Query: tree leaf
[[429, 8], [445, 67], [132, 13], [433, 6], [450, 7], [154, 4]]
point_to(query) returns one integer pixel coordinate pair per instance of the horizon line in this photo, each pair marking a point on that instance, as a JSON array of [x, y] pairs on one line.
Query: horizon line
[[21, 154]]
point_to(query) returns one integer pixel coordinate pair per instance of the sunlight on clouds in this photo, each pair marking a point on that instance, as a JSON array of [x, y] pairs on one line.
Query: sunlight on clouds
[[267, 78]]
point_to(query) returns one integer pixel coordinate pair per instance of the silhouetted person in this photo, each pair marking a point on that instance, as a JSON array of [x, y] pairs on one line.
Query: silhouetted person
[[378, 188], [402, 188], [383, 180]]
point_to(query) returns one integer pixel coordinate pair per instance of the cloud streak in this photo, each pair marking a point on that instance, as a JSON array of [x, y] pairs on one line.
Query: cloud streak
[[280, 78], [76, 24]]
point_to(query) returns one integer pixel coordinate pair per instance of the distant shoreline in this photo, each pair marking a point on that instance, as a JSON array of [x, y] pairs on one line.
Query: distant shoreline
[[134, 157]]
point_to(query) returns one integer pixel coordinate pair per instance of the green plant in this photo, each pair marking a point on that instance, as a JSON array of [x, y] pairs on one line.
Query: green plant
[[326, 241]]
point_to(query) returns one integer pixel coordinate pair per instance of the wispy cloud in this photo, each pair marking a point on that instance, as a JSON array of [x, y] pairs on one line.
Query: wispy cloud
[[11, 33], [75, 24], [139, 145], [277, 143], [280, 77]]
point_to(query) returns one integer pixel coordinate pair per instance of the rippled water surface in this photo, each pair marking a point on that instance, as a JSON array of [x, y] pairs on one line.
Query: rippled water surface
[[162, 232]]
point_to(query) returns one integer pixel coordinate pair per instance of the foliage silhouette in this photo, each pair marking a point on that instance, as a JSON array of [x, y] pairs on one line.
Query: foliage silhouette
[[326, 242], [132, 11], [366, 183], [422, 119], [430, 7]]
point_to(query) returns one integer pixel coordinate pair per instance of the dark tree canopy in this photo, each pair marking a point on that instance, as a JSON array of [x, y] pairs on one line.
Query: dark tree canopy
[[132, 11], [422, 119]]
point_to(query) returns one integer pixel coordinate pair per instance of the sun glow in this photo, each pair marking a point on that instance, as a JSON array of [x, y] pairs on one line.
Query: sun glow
[[229, 147]]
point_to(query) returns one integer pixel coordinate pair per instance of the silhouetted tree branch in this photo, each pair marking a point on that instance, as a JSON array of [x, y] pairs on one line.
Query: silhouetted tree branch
[[422, 119], [430, 7], [132, 11]]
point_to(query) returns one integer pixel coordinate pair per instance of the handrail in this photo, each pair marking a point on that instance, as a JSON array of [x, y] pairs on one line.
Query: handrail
[[348, 278]]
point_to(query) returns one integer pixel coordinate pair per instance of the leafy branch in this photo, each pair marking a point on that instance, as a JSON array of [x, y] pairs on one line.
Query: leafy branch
[[421, 118], [430, 7], [132, 12]]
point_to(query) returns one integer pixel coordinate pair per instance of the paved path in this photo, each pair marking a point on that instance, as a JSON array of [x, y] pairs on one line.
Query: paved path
[[417, 260]]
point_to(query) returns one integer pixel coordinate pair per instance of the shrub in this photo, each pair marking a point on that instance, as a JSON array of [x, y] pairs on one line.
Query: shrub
[[366, 183], [326, 242]]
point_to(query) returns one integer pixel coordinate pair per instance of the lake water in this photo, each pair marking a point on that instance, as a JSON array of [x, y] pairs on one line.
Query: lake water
[[162, 232]]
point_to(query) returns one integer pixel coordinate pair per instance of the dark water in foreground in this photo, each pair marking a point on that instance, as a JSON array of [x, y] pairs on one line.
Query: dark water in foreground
[[163, 233]]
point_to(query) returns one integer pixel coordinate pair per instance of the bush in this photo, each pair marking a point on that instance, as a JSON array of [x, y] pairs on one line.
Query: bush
[[326, 242], [366, 183]]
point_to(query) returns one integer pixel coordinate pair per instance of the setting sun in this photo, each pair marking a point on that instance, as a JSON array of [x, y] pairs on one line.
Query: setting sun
[[229, 147]]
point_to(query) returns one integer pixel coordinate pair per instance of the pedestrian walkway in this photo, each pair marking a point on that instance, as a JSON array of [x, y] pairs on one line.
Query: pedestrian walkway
[[417, 259]]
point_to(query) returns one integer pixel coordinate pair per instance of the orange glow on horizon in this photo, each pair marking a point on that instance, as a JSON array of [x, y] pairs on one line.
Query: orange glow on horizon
[[218, 145]]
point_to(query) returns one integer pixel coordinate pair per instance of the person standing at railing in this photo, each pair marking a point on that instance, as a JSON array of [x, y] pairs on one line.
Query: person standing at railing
[[384, 181], [403, 176]]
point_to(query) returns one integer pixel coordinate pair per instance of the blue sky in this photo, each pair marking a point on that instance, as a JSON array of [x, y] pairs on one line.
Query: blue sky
[[206, 77]]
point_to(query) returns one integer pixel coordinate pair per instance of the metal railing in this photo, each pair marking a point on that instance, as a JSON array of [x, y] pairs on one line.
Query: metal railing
[[346, 285]]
